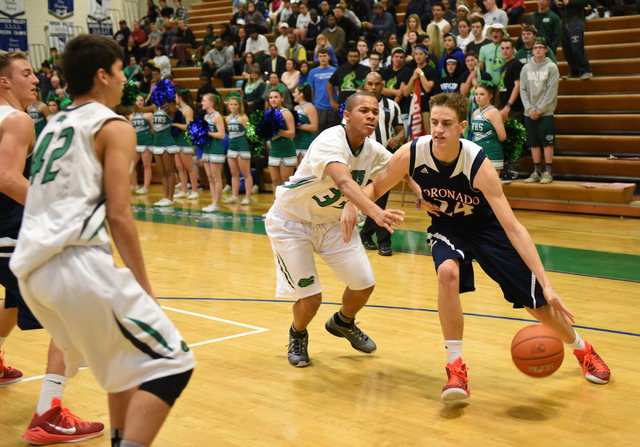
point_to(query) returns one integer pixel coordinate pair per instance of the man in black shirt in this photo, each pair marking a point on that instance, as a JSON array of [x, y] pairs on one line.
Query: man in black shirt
[[477, 25], [510, 101], [427, 76], [347, 78], [395, 78], [350, 29], [183, 41], [122, 36]]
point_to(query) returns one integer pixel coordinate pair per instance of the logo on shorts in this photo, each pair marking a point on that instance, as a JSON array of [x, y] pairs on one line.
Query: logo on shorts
[[306, 282], [549, 137], [184, 346]]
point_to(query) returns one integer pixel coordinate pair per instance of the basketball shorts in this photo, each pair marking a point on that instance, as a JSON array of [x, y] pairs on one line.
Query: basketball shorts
[[13, 298], [287, 161], [159, 150], [98, 313], [294, 245], [540, 132], [497, 257], [142, 149]]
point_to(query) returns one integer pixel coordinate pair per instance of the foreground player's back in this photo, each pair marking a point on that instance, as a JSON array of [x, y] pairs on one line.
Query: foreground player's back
[[66, 201]]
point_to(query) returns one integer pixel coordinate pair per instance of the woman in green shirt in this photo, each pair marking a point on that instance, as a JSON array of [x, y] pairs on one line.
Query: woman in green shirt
[[486, 125], [306, 130]]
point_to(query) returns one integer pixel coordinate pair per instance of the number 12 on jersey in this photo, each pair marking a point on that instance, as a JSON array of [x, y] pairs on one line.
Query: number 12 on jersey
[[38, 158]]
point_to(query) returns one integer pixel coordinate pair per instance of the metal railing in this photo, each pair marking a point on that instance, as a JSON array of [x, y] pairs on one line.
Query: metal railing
[[37, 55]]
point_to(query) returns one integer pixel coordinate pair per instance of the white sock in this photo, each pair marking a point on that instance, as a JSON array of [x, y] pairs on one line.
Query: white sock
[[52, 386], [125, 443], [2, 340], [578, 343], [454, 350]]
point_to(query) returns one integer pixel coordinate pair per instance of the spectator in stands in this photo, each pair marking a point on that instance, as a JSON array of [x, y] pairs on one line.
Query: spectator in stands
[[322, 42], [249, 64], [154, 39], [318, 80], [274, 63], [44, 76], [253, 89], [274, 81], [225, 31], [374, 61], [346, 79], [381, 48], [388, 7], [54, 106], [162, 62], [218, 63], [494, 15], [573, 39], [438, 18], [205, 87], [539, 92], [261, 7], [54, 58], [449, 15], [183, 41], [351, 32], [152, 12], [469, 83], [514, 9], [462, 13], [274, 9], [395, 77], [464, 37], [138, 33], [335, 38], [291, 77], [238, 15], [255, 18], [413, 24], [165, 11], [315, 27], [525, 54], [620, 7], [167, 37], [427, 76], [421, 8], [285, 12], [181, 12], [132, 71], [122, 36], [257, 44], [325, 10], [60, 93], [207, 42], [425, 41], [450, 50], [145, 82], [526, 21], [293, 18], [304, 72], [282, 41], [479, 40], [412, 41], [132, 49], [363, 51], [450, 82], [362, 10], [436, 45], [295, 51], [510, 101], [491, 58], [302, 22], [349, 14], [241, 43]]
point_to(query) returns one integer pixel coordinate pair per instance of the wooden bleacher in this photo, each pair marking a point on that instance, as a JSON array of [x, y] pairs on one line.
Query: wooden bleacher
[[597, 152]]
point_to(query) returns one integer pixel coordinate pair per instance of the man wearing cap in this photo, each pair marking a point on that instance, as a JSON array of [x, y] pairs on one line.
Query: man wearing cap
[[548, 23], [490, 58], [427, 76], [539, 93], [282, 41], [395, 77], [381, 22], [494, 15], [525, 54]]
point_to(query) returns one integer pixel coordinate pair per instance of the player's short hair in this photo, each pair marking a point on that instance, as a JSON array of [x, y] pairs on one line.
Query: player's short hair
[[353, 100], [6, 59], [322, 51], [509, 41], [84, 55], [440, 4], [478, 20], [455, 101], [530, 29]]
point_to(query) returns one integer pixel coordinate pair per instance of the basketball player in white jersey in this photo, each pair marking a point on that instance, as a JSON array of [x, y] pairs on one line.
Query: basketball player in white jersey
[[52, 423], [306, 218], [95, 312]]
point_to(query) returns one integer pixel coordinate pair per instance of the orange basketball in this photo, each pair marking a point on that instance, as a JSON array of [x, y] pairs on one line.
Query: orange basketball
[[537, 350]]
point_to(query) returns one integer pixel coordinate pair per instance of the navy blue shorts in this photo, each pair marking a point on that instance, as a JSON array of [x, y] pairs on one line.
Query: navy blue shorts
[[496, 255], [13, 298]]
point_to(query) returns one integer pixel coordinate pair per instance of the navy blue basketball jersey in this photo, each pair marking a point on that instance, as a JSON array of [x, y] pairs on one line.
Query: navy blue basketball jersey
[[450, 186], [11, 218]]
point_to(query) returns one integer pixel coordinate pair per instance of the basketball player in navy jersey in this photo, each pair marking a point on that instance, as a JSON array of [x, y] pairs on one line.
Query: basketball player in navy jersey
[[471, 219]]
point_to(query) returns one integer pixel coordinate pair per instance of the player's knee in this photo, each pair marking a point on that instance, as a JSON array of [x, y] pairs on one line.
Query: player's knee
[[312, 303], [168, 388], [449, 273], [542, 314]]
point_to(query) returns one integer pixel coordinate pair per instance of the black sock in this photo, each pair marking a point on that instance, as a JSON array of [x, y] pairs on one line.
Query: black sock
[[116, 436], [549, 167], [536, 168], [341, 320], [296, 334]]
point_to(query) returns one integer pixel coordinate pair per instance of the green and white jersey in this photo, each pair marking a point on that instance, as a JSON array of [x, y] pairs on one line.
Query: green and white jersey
[[39, 120], [311, 195], [143, 129], [66, 200], [235, 129]]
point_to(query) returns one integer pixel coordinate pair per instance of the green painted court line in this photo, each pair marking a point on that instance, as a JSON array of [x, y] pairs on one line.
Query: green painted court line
[[560, 259]]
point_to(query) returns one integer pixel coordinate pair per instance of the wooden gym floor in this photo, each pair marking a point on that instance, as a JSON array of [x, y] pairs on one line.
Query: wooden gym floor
[[215, 276]]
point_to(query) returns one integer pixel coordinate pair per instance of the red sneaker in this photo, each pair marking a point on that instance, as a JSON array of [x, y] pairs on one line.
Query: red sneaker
[[458, 385], [58, 424], [8, 375], [593, 367]]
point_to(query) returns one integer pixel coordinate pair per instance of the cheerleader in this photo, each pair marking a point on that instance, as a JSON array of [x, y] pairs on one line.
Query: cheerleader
[[213, 155], [308, 115], [39, 113], [184, 158], [282, 155], [239, 154], [486, 125], [144, 147], [165, 149]]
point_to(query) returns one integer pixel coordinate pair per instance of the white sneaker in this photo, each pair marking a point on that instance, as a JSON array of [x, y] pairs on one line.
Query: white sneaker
[[533, 178], [181, 195], [211, 208], [142, 190], [164, 202], [594, 15], [232, 199], [226, 189], [134, 188], [546, 178], [178, 185], [607, 14], [246, 201], [255, 189], [193, 196]]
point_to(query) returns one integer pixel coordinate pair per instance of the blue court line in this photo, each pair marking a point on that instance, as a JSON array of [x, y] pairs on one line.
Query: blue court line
[[610, 331]]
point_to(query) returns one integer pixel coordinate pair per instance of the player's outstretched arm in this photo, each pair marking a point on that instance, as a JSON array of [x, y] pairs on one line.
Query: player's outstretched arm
[[16, 141], [115, 147], [488, 182]]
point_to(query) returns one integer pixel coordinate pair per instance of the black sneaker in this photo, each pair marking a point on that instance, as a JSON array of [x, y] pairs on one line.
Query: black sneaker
[[358, 339], [298, 355]]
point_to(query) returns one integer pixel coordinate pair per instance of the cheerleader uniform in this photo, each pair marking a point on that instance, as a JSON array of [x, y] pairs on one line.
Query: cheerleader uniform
[[238, 144], [181, 141], [39, 120], [283, 151], [214, 152], [162, 139], [303, 138], [143, 133], [485, 135]]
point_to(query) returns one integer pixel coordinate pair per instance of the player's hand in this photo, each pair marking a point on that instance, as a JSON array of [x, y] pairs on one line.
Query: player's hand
[[535, 115], [387, 218], [348, 220], [429, 206], [559, 310]]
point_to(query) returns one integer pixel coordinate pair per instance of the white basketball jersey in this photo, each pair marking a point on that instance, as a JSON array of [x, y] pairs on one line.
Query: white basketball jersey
[[311, 195], [66, 199]]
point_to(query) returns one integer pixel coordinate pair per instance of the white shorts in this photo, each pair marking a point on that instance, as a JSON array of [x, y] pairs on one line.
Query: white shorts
[[100, 314], [302, 152], [498, 164], [187, 150], [159, 150], [141, 149], [213, 158], [245, 155], [294, 244], [287, 161]]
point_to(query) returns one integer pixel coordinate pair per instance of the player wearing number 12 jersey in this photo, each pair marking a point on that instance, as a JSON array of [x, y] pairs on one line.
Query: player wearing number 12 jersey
[[471, 219]]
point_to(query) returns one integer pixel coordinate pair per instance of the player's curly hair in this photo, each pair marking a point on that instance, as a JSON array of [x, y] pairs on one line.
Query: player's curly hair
[[455, 101]]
